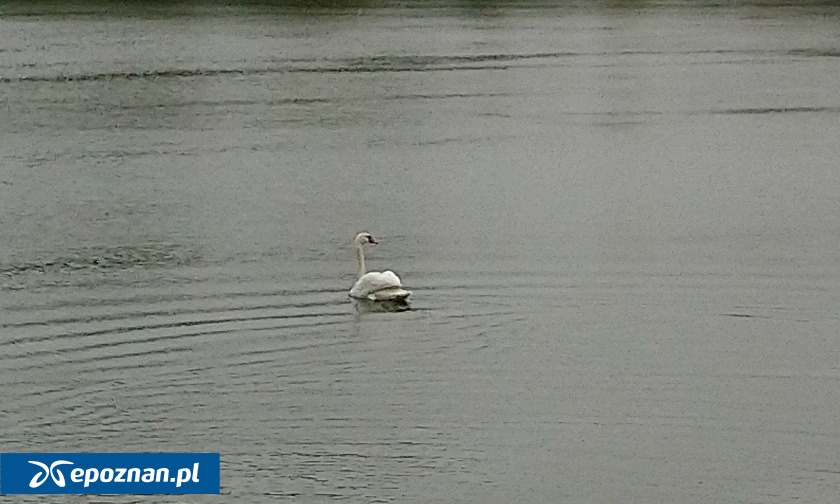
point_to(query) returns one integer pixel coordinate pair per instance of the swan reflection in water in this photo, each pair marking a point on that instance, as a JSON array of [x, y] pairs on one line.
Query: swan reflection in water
[[376, 291]]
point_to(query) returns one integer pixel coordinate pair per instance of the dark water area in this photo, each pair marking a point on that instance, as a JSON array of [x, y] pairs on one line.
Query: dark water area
[[619, 220]]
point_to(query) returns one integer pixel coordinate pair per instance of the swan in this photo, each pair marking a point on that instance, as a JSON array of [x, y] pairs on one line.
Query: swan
[[375, 285]]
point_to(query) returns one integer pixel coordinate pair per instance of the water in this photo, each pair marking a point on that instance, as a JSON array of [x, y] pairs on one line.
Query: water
[[620, 222]]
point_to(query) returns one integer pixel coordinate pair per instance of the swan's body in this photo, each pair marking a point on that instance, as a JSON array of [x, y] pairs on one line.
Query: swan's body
[[378, 286], [375, 285]]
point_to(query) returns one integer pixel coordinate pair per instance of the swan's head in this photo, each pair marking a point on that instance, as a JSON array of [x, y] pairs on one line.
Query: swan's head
[[363, 238]]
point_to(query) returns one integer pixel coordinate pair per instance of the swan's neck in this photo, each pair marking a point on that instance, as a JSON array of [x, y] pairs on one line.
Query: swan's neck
[[360, 255]]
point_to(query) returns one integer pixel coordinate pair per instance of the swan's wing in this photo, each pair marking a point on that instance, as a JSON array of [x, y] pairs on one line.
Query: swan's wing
[[375, 281]]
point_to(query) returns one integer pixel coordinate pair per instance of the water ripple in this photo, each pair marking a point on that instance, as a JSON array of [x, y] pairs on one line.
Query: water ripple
[[395, 63]]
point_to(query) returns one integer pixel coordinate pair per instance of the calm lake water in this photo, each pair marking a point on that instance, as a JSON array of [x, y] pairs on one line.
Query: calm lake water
[[620, 221]]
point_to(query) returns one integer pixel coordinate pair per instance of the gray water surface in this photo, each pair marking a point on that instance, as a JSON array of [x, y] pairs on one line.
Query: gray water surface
[[620, 222]]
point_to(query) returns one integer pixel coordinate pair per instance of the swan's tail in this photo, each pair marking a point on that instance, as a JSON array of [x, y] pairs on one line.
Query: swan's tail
[[389, 294]]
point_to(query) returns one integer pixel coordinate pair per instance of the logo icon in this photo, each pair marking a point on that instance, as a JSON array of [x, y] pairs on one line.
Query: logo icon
[[52, 472]]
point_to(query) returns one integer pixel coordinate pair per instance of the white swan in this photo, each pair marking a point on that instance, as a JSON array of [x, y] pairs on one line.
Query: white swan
[[375, 286]]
